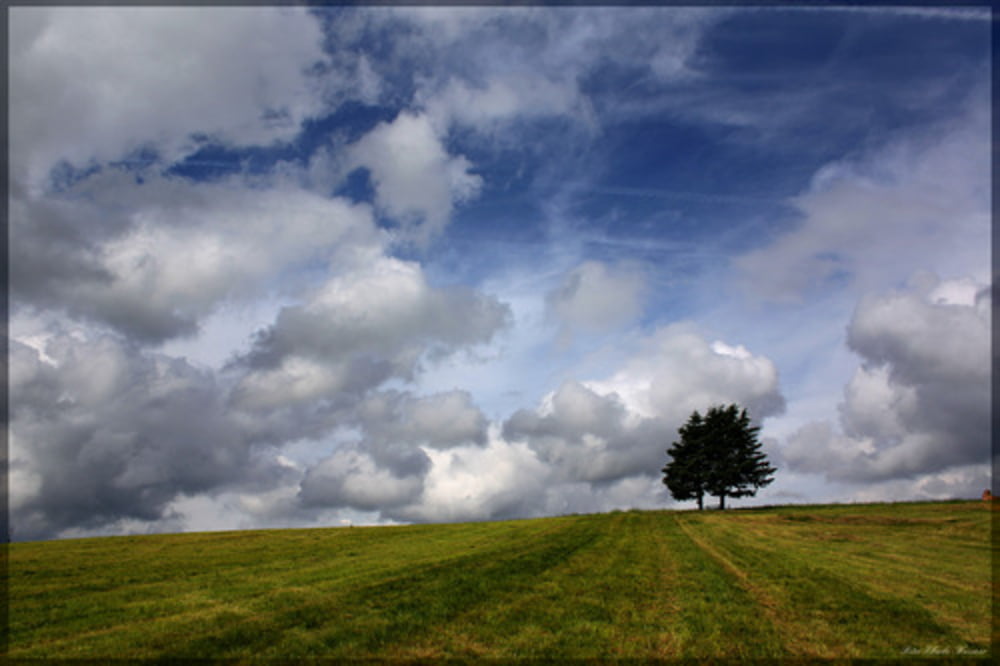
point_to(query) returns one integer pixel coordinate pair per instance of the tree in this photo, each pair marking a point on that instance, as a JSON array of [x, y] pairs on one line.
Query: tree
[[718, 454], [686, 474]]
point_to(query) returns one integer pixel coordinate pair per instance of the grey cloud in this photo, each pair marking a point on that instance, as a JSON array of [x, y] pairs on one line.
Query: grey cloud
[[351, 477], [441, 420], [920, 403], [113, 433], [54, 245], [387, 467], [105, 435], [589, 437], [958, 482], [151, 260], [923, 192], [816, 448], [327, 358], [433, 458], [922, 342], [469, 482], [362, 328], [633, 492]]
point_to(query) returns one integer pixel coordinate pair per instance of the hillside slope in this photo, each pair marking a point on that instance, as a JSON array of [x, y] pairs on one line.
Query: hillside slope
[[832, 581]]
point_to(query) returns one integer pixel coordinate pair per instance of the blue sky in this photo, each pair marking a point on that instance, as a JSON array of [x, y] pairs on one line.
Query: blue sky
[[291, 267]]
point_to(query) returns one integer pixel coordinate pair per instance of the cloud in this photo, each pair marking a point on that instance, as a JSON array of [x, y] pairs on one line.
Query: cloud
[[676, 371], [105, 432], [921, 201], [441, 420], [497, 481], [594, 297], [410, 453], [351, 477], [564, 44], [964, 482], [588, 437], [506, 97], [153, 259], [493, 480], [931, 333], [919, 404], [488, 69], [417, 183], [98, 83], [374, 321], [599, 431]]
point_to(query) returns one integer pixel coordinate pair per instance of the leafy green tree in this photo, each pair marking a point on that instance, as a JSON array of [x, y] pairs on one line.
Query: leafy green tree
[[718, 454]]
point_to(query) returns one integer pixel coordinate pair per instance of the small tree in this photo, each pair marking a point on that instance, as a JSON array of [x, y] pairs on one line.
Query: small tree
[[686, 474], [718, 454]]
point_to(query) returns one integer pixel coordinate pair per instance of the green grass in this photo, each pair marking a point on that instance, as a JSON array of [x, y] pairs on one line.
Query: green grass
[[880, 581]]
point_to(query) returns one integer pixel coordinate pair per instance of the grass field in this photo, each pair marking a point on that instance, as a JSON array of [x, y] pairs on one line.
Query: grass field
[[885, 581]]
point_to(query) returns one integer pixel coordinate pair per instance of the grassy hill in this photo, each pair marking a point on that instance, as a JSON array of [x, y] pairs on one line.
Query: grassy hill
[[889, 580]]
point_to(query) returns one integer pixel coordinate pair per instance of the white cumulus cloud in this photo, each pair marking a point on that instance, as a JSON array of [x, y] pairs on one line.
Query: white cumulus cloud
[[416, 181]]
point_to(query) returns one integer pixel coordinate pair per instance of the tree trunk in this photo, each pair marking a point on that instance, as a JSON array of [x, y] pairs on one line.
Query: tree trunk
[[701, 504], [722, 501]]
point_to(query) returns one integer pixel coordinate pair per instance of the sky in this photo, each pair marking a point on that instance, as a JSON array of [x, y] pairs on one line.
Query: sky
[[289, 267]]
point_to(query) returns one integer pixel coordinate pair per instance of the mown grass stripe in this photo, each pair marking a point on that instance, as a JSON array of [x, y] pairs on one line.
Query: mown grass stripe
[[844, 617], [372, 618], [719, 617], [595, 604], [932, 572], [945, 570], [99, 619]]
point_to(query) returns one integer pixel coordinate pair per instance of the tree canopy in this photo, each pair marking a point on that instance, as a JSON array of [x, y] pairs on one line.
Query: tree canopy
[[718, 454]]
